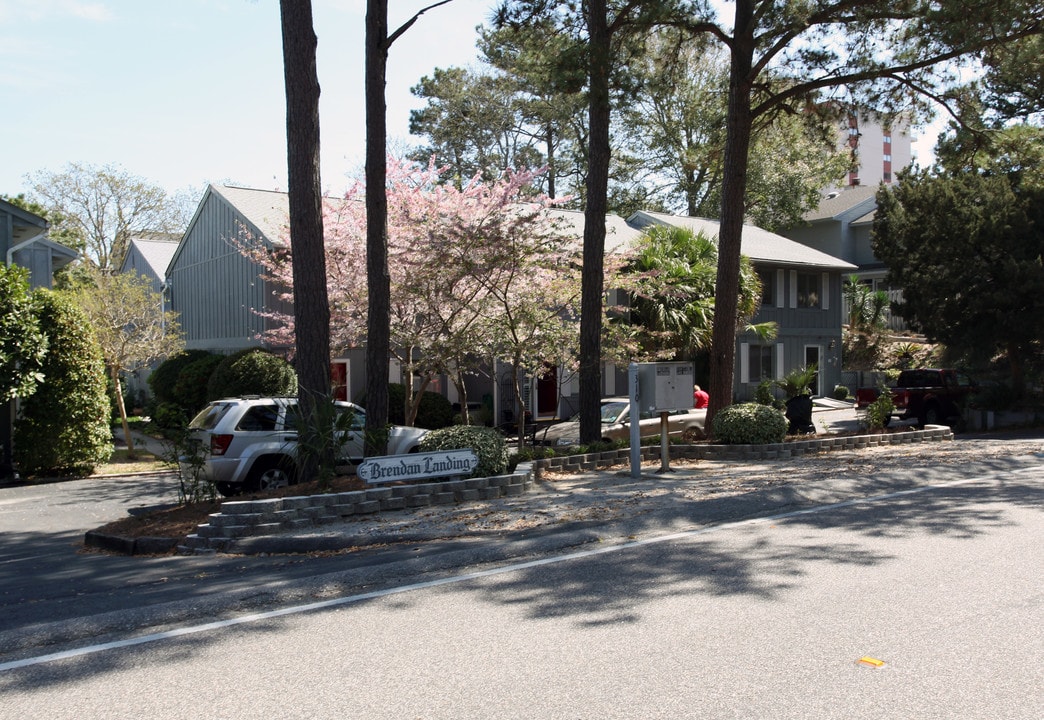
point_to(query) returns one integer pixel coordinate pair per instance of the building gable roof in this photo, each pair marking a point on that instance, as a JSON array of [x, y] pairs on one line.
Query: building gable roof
[[861, 198], [761, 246], [618, 234], [267, 210], [156, 249]]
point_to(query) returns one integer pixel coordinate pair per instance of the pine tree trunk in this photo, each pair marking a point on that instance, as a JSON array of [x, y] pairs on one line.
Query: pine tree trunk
[[378, 325], [734, 187], [592, 282], [311, 304]]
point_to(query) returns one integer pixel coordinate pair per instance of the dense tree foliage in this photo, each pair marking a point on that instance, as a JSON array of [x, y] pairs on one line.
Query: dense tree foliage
[[23, 344], [966, 248], [671, 137], [63, 428]]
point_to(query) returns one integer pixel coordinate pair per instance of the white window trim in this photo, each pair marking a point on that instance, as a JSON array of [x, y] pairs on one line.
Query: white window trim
[[779, 361], [745, 362]]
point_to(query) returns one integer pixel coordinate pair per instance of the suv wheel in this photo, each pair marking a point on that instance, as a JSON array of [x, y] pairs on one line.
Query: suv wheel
[[269, 474]]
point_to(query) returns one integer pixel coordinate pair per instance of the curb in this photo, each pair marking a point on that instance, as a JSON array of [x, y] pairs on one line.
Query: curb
[[129, 545]]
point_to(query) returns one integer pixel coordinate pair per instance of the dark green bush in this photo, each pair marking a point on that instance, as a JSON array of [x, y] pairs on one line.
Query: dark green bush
[[252, 372], [63, 428], [168, 416], [190, 391], [763, 395], [749, 424], [840, 392], [164, 378], [435, 410], [487, 443]]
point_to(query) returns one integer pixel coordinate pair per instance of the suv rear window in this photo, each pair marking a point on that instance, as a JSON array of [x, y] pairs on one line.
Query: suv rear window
[[209, 416], [259, 418]]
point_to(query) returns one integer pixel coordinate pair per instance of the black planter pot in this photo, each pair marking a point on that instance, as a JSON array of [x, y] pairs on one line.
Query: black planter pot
[[799, 413]]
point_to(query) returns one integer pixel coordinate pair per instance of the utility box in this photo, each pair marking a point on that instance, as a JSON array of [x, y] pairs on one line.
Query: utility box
[[665, 386]]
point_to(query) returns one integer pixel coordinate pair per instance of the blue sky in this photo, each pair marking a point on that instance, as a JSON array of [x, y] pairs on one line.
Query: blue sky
[[188, 92]]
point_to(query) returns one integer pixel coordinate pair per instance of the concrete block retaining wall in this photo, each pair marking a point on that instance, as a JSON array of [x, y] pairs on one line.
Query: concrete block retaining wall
[[243, 518]]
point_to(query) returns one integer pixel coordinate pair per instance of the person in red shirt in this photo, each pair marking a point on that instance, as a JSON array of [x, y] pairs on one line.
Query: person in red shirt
[[700, 398]]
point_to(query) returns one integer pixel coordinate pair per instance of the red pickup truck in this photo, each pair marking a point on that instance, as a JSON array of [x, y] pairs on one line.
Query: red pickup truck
[[932, 396]]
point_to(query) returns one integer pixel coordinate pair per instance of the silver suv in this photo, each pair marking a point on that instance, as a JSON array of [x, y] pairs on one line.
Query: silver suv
[[250, 443]]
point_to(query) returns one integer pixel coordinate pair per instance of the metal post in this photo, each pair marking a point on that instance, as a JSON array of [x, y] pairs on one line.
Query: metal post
[[636, 437], [665, 454]]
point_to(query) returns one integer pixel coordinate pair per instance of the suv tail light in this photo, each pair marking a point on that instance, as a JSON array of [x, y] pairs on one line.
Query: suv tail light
[[219, 444]]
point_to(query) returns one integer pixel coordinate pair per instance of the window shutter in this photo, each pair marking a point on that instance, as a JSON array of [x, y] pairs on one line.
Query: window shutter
[[781, 301], [745, 362], [779, 361], [793, 288], [826, 291]]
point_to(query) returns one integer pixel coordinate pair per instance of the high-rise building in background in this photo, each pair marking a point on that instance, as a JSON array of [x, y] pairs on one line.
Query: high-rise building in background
[[879, 149]]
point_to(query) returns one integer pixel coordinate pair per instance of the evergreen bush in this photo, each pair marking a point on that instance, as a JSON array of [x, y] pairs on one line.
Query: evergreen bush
[[749, 424], [763, 395], [252, 372], [435, 410], [63, 428], [190, 390], [487, 443], [164, 378]]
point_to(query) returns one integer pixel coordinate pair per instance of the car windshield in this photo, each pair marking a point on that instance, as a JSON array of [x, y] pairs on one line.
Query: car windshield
[[612, 411], [209, 416]]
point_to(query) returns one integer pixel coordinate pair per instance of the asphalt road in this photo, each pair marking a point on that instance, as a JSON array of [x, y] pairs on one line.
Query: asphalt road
[[922, 603]]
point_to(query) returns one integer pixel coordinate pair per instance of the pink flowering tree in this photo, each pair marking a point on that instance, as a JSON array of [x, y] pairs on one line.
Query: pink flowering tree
[[475, 273]]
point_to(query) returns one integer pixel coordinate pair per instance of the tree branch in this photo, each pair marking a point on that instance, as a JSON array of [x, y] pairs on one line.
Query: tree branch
[[409, 23]]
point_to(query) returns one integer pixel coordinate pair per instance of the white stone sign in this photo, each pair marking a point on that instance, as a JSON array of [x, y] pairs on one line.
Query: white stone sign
[[414, 466]]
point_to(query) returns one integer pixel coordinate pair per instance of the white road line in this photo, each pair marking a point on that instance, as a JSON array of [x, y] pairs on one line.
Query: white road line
[[592, 552]]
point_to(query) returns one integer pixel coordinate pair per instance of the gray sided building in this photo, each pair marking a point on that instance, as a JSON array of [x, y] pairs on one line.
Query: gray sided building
[[213, 287]]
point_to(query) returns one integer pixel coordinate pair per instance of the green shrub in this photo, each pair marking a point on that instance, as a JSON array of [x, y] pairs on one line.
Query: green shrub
[[164, 378], [252, 372], [435, 410], [841, 392], [487, 443], [763, 395], [528, 454], [63, 428], [169, 416], [879, 412], [749, 424], [190, 391]]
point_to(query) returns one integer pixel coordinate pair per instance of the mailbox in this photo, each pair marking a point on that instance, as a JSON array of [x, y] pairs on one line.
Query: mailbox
[[664, 386]]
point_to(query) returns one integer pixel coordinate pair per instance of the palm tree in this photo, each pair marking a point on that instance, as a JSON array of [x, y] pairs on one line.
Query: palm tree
[[672, 278], [866, 307]]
